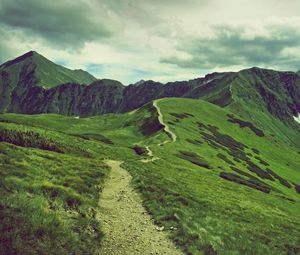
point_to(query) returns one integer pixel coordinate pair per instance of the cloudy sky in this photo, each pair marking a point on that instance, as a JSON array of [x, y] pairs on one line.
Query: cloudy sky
[[163, 40]]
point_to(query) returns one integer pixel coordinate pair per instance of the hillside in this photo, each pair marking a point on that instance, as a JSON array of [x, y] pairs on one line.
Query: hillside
[[29, 73], [42, 72], [26, 86], [223, 186], [221, 175]]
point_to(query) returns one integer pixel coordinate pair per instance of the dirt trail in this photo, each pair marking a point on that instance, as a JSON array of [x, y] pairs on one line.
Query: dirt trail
[[160, 118], [133, 111], [150, 155], [128, 228]]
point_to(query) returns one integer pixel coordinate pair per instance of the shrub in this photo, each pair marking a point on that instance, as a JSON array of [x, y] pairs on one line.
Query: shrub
[[224, 158], [297, 188], [195, 141], [250, 183], [193, 158], [29, 139], [181, 115], [243, 124], [97, 137], [258, 171], [279, 178], [140, 150]]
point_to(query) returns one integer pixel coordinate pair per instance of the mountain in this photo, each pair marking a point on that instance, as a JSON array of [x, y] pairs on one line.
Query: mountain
[[32, 84], [73, 99], [267, 90], [298, 72], [33, 67], [268, 98], [32, 70]]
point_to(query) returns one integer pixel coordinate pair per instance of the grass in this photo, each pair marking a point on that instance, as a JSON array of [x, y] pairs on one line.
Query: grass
[[238, 206], [48, 202], [48, 73], [50, 184], [204, 213], [221, 188]]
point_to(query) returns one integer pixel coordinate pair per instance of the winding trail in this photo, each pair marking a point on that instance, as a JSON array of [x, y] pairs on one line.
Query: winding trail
[[231, 92], [160, 118], [150, 155], [128, 228]]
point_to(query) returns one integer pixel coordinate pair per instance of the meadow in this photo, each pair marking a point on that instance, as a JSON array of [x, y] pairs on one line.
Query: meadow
[[227, 185]]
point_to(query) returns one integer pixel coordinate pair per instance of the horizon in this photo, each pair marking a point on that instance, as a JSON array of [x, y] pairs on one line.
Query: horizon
[[161, 41], [145, 80]]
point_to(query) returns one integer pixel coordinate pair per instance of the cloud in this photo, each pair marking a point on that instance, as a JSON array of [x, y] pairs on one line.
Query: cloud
[[242, 45], [162, 40], [66, 24]]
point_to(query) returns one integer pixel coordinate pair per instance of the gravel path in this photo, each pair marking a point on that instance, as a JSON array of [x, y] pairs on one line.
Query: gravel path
[[128, 228], [160, 118], [150, 158]]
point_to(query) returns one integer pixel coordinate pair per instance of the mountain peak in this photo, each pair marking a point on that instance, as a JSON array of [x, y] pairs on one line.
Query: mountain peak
[[40, 71], [19, 59], [139, 82], [256, 68], [31, 53]]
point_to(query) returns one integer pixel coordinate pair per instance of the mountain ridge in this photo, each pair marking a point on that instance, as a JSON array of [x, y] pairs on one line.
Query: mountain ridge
[[272, 92]]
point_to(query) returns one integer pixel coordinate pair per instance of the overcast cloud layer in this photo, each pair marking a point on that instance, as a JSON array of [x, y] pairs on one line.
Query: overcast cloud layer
[[163, 40]]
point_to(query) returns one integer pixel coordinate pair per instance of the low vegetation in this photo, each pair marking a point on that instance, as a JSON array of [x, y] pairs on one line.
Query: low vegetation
[[253, 183], [150, 125], [48, 202], [238, 206], [140, 150], [244, 124], [193, 158], [221, 188]]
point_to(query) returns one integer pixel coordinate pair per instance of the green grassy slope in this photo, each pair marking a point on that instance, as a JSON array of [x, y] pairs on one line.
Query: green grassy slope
[[48, 202], [226, 186], [264, 97], [223, 189], [50, 184], [24, 79], [46, 73], [108, 128]]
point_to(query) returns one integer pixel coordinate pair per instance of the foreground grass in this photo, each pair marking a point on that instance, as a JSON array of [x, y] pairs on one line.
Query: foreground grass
[[48, 202], [208, 215], [51, 175]]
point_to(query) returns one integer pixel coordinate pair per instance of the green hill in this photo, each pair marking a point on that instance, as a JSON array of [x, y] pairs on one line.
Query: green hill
[[224, 186], [22, 77], [42, 72]]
